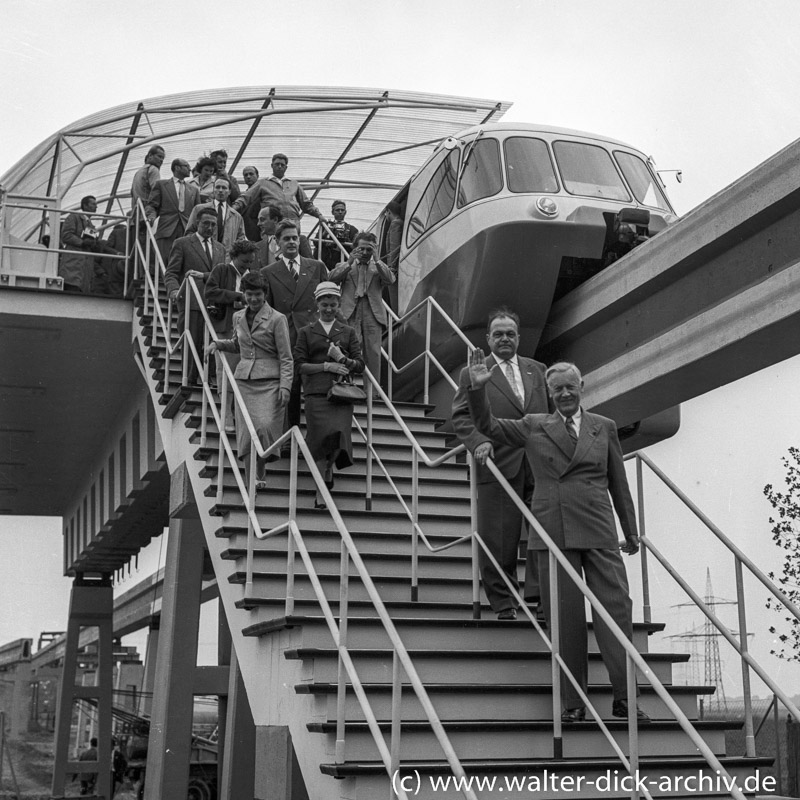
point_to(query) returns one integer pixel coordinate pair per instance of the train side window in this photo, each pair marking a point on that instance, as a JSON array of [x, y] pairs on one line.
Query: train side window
[[437, 199], [588, 170], [528, 165], [641, 180], [481, 175]]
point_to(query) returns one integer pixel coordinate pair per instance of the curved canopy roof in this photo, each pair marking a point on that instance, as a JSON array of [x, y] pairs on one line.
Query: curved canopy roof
[[360, 145]]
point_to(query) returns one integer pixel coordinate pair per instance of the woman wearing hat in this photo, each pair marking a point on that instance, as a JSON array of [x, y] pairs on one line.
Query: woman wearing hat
[[264, 372], [325, 350]]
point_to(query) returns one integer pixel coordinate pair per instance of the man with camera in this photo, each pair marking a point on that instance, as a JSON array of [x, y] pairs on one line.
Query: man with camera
[[344, 232], [362, 278]]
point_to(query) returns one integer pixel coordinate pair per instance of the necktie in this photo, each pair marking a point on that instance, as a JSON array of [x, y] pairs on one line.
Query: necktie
[[220, 222], [293, 269], [207, 245], [509, 370], [573, 434], [181, 196]]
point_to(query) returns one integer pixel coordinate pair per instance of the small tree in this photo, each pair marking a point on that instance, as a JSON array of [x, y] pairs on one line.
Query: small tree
[[786, 534]]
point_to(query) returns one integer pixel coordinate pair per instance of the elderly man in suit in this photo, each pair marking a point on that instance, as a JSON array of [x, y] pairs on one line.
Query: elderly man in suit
[[193, 256], [230, 225], [577, 464], [289, 283], [516, 389], [362, 278], [171, 202]]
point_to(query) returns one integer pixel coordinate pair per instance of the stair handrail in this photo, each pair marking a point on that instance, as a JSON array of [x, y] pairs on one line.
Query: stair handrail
[[740, 560], [556, 557], [429, 303], [633, 658], [401, 656]]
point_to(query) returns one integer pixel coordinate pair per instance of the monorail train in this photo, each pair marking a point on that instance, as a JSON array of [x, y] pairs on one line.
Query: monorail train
[[515, 214]]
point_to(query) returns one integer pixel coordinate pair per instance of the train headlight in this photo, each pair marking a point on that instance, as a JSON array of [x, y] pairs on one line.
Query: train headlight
[[547, 206]]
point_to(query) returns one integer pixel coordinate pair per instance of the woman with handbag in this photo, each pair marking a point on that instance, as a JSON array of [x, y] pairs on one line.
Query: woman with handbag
[[264, 372], [328, 352]]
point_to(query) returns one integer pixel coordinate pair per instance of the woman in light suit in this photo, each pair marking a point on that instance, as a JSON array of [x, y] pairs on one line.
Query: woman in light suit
[[264, 372]]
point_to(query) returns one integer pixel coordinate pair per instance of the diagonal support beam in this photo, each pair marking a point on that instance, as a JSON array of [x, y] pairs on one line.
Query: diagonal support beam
[[124, 158], [251, 132], [350, 145]]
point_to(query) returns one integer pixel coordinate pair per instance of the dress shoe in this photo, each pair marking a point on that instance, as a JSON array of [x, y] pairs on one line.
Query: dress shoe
[[619, 708], [574, 714], [507, 613]]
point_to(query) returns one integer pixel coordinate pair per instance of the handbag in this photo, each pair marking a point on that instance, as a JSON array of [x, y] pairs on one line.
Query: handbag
[[343, 390]]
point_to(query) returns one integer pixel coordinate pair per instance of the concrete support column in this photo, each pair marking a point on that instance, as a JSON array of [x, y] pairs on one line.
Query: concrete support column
[[237, 730], [278, 775], [169, 748], [149, 682]]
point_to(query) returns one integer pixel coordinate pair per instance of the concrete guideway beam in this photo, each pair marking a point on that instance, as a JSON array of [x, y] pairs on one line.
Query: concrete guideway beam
[[731, 251], [751, 331]]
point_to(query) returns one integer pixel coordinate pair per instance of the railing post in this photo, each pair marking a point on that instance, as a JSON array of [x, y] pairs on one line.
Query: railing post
[[167, 343], [204, 391], [390, 359], [368, 498], [290, 544], [251, 505], [341, 686], [558, 740], [749, 737], [646, 610], [475, 548], [778, 758], [397, 698], [223, 422], [186, 333], [633, 724], [427, 354], [414, 524]]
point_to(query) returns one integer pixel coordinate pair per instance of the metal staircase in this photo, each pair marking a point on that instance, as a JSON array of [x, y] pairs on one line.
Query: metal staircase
[[365, 644]]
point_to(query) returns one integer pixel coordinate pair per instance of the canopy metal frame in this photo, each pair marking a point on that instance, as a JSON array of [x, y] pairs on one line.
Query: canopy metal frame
[[362, 144]]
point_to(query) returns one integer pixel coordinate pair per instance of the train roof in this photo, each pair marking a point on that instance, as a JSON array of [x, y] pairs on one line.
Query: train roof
[[534, 127]]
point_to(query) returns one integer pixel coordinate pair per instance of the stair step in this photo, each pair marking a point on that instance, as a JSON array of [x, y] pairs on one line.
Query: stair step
[[517, 739], [353, 499], [359, 521], [551, 779], [497, 701], [434, 636], [433, 483]]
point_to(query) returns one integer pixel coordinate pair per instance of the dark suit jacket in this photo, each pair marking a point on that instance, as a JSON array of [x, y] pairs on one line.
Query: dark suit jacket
[[221, 291], [572, 483], [294, 299], [234, 224], [504, 404], [312, 348], [163, 203], [187, 253], [264, 349]]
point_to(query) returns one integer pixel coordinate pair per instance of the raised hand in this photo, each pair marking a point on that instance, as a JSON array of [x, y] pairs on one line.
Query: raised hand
[[478, 374]]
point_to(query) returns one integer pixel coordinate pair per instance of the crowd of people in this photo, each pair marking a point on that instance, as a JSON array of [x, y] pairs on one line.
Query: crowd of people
[[290, 322]]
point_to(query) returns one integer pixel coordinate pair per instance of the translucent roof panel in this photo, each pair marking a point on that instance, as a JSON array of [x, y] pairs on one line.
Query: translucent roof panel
[[348, 143]]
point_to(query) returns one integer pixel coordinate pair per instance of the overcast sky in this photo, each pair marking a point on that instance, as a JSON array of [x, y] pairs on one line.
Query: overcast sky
[[709, 88]]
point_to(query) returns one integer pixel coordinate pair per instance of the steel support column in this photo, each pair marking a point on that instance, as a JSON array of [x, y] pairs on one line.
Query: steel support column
[[169, 748], [237, 730]]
